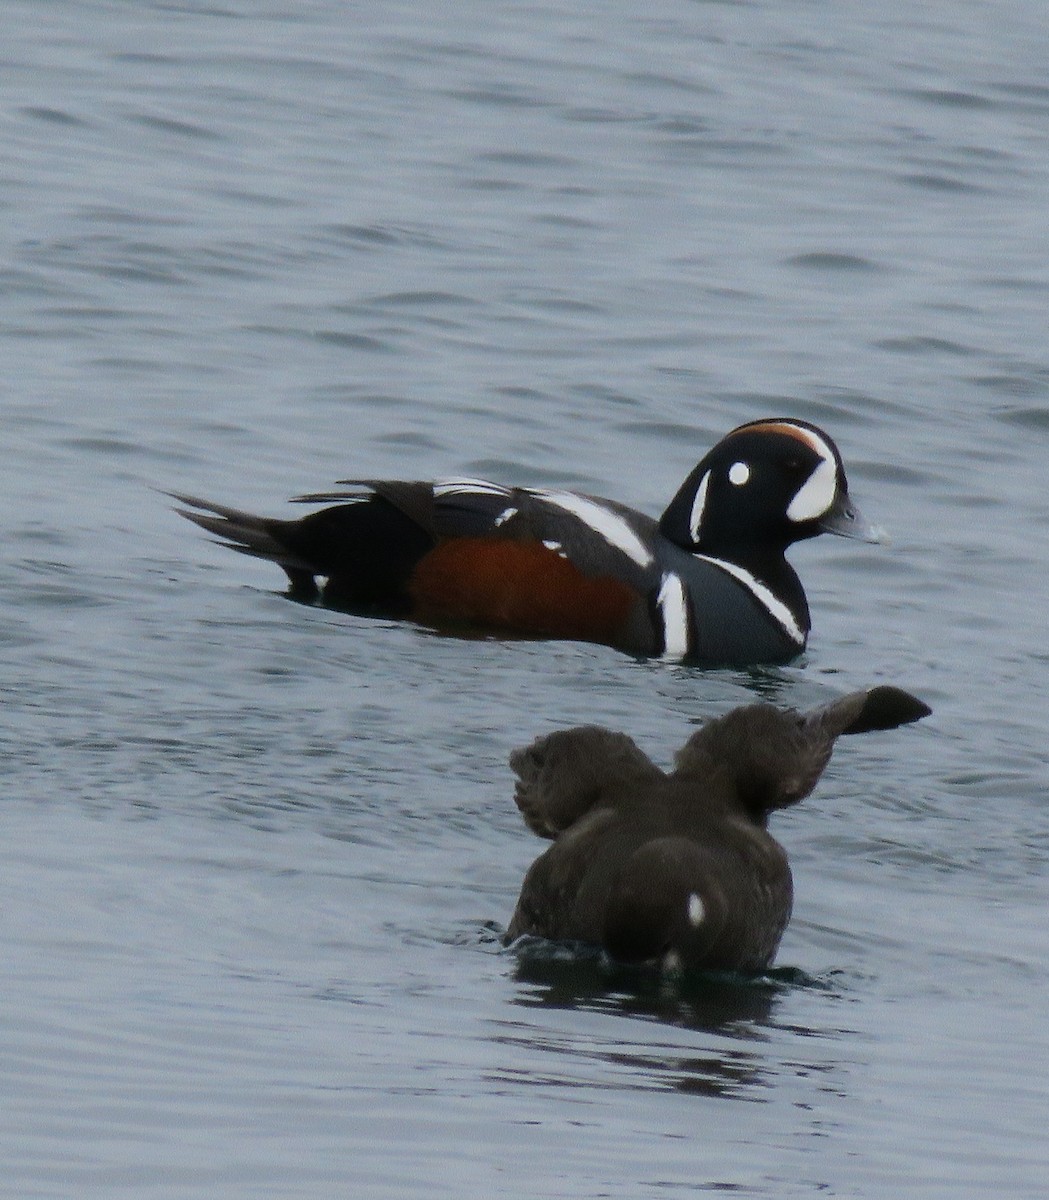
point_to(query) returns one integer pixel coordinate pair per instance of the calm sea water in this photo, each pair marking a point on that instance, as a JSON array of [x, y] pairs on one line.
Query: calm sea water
[[255, 857]]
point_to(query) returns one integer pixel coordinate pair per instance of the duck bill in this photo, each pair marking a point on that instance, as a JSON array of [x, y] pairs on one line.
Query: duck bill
[[844, 519]]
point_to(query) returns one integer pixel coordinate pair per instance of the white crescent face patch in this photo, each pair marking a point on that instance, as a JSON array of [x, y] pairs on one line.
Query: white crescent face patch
[[817, 493], [816, 496], [820, 490]]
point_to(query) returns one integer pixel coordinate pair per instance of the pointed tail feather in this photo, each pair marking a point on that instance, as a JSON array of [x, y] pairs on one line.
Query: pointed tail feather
[[242, 531]]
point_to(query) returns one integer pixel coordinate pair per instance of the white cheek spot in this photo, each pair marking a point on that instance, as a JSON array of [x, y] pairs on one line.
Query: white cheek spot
[[699, 503], [696, 910], [816, 494], [738, 473]]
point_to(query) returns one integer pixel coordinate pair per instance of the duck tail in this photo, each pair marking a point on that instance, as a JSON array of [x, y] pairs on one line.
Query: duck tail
[[259, 537]]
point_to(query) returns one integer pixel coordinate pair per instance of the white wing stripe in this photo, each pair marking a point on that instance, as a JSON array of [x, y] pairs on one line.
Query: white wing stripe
[[465, 487], [610, 525]]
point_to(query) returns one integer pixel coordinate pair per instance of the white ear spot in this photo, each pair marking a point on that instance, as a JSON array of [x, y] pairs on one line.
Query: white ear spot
[[696, 910], [816, 494], [738, 473]]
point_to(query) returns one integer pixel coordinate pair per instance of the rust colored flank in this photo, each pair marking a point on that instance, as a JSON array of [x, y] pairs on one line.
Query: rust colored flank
[[523, 586]]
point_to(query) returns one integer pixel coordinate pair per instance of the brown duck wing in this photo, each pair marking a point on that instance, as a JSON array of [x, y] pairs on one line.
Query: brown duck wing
[[560, 777], [775, 757], [875, 708]]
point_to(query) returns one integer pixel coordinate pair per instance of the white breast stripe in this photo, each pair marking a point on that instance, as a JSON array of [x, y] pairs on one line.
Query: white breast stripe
[[673, 607], [610, 525], [774, 606], [695, 519], [816, 494]]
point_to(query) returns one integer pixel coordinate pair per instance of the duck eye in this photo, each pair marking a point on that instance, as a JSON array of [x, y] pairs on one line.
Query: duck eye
[[738, 473]]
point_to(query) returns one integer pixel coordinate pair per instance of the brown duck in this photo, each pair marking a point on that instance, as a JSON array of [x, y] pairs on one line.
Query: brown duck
[[679, 867]]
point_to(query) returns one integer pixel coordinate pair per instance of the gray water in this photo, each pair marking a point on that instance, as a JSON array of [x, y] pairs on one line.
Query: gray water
[[255, 857]]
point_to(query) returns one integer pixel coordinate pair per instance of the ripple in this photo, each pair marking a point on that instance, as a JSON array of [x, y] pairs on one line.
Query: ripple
[[1010, 384], [175, 127], [525, 158], [419, 299], [830, 260], [1033, 418], [354, 341], [379, 235], [1024, 97], [541, 246], [930, 182], [408, 440], [1017, 283], [947, 98], [102, 445], [919, 344], [506, 96], [60, 596], [54, 116]]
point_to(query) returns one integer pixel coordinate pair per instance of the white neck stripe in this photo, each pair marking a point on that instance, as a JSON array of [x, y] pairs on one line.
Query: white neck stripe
[[764, 596]]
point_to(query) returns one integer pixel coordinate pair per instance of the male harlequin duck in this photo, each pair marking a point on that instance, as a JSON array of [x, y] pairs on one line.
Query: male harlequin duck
[[707, 583], [678, 868]]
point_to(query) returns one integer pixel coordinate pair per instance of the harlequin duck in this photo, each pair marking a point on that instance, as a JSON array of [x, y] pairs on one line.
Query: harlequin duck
[[678, 868], [708, 582]]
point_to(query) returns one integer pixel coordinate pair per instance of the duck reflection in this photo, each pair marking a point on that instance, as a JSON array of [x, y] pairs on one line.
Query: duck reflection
[[736, 1013]]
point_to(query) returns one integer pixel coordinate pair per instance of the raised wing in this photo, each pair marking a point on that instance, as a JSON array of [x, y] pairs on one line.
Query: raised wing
[[561, 777]]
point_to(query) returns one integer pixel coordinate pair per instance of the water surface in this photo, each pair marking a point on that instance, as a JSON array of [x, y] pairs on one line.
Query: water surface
[[256, 857]]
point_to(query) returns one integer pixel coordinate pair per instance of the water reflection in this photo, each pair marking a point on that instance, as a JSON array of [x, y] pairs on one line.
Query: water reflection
[[735, 1013], [719, 1074], [570, 977]]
